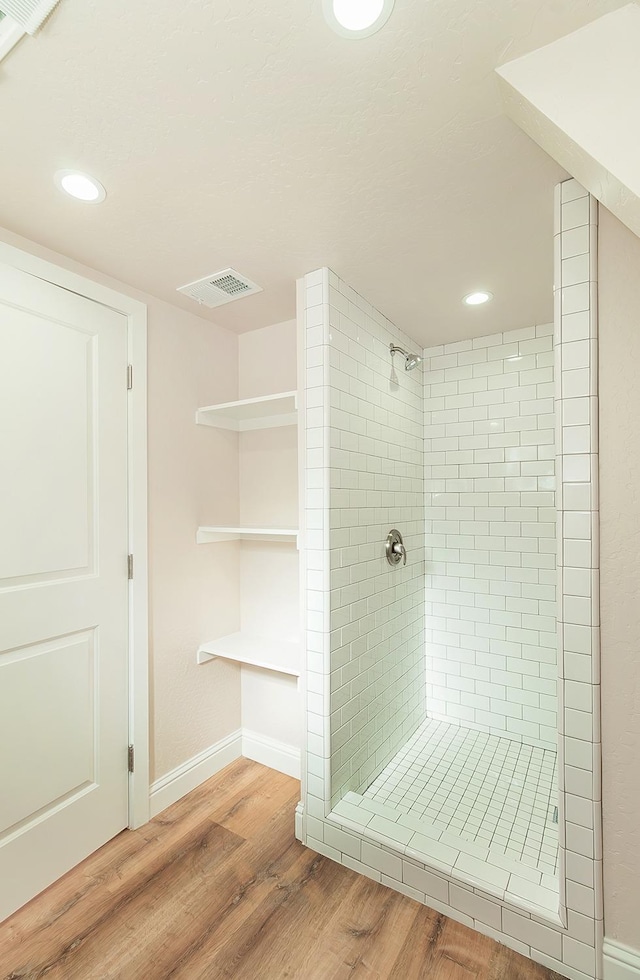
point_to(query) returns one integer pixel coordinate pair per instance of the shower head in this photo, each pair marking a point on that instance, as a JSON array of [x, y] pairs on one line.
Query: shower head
[[411, 361]]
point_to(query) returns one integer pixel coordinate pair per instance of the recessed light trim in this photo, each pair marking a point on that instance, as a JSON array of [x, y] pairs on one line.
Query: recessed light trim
[[80, 186], [357, 18], [477, 298]]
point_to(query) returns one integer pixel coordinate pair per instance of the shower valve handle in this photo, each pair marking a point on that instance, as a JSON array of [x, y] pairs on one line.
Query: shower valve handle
[[399, 549], [394, 548]]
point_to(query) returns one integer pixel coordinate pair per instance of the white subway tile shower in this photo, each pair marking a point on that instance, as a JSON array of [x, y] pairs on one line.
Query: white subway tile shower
[[369, 477], [514, 902], [490, 535]]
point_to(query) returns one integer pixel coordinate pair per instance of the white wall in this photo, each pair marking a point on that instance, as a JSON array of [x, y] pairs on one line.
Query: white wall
[[576, 97], [193, 595], [267, 359], [193, 480], [619, 300], [268, 495], [491, 535]]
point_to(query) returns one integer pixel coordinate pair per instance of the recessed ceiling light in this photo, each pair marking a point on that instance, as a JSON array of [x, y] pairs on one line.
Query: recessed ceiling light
[[357, 18], [81, 186], [477, 299]]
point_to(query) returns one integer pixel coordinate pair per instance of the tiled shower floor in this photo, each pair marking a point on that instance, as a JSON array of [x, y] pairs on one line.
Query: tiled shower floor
[[468, 805], [484, 789]]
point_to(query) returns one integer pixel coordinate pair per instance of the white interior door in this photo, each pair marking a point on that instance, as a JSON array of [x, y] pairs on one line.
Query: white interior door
[[63, 582]]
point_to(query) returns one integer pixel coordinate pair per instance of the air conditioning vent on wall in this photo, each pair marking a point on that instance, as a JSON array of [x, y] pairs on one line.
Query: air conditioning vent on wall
[[220, 287]]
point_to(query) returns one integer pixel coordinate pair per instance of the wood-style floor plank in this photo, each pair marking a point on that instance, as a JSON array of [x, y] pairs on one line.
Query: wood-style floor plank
[[370, 935], [160, 911], [246, 811], [217, 888], [416, 958], [260, 879], [90, 894]]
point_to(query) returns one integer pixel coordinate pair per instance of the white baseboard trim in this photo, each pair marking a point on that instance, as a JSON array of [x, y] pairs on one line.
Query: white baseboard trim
[[268, 751], [620, 962], [181, 780], [175, 784]]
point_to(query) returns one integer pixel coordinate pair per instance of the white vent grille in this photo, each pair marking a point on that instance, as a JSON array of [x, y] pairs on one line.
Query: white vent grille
[[221, 287], [29, 14], [10, 34]]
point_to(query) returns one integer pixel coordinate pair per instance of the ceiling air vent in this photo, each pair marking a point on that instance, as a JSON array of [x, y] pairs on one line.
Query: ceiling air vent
[[29, 14], [18, 17], [221, 287]]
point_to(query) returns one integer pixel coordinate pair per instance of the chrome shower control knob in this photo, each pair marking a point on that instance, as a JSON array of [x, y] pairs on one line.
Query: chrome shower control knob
[[395, 549]]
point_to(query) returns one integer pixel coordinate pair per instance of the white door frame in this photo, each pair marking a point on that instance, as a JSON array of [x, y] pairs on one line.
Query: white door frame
[[136, 313]]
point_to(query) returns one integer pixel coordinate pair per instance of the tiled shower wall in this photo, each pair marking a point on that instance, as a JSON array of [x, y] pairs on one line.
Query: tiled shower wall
[[491, 534], [365, 458]]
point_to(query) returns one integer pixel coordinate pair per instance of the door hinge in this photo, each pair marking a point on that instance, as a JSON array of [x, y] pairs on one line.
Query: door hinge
[[130, 566], [130, 758], [129, 376]]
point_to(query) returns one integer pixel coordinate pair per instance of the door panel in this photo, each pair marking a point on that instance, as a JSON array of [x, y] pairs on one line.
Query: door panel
[[63, 582], [47, 708], [48, 446]]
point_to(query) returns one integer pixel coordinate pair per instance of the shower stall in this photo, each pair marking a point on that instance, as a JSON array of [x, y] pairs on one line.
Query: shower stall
[[449, 569]]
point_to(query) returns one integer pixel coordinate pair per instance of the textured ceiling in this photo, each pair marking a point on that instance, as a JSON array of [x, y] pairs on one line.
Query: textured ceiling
[[244, 133]]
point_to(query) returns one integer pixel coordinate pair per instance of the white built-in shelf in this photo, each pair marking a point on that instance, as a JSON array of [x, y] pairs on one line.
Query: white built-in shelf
[[251, 413], [207, 535], [257, 651]]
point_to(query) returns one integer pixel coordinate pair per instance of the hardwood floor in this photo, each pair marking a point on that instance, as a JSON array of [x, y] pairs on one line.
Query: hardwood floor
[[216, 886]]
